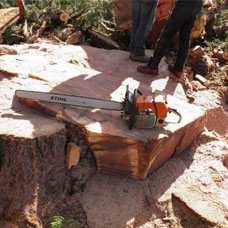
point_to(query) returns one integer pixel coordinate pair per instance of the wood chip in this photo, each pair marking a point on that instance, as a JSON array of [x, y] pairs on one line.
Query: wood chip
[[196, 52], [36, 77], [225, 55], [200, 78], [73, 155]]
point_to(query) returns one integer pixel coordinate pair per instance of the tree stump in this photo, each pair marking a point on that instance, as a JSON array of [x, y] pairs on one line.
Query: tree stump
[[32, 162], [132, 153], [33, 144]]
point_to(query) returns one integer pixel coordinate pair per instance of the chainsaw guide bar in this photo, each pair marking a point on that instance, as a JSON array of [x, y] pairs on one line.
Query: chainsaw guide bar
[[138, 110], [70, 100]]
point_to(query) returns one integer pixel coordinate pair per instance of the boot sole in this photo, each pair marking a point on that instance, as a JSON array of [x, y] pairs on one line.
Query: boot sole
[[151, 72]]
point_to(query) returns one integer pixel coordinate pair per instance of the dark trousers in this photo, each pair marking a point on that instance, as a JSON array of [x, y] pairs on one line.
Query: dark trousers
[[143, 12], [181, 20]]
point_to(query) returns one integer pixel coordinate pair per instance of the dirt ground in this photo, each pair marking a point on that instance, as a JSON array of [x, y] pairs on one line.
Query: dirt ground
[[188, 191]]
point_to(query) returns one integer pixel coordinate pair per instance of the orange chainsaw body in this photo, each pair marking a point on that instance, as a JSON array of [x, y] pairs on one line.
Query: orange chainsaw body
[[148, 103]]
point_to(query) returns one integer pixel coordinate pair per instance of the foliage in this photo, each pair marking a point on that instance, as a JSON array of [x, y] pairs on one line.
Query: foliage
[[13, 34], [7, 4], [83, 15], [60, 222], [217, 39]]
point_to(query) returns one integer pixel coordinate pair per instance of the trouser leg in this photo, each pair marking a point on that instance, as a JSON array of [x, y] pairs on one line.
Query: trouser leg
[[144, 26], [184, 43], [136, 12], [173, 24]]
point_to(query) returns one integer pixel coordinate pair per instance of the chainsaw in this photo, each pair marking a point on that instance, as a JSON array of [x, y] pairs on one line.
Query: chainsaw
[[138, 110]]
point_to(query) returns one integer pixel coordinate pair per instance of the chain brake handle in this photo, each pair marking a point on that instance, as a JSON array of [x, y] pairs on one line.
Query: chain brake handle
[[130, 99]]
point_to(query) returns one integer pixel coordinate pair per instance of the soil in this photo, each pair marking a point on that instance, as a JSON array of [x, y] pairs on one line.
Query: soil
[[169, 197]]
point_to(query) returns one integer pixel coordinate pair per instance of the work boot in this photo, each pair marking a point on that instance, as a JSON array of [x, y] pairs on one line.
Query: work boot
[[140, 58], [146, 69], [176, 73]]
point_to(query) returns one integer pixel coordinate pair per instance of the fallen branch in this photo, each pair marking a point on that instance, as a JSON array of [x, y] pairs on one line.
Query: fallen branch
[[110, 23], [79, 14], [25, 28], [56, 39], [105, 27], [22, 10], [38, 33]]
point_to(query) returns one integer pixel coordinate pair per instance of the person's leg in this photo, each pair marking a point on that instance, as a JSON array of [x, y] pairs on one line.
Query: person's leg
[[183, 44], [148, 8], [184, 40], [173, 24], [136, 11]]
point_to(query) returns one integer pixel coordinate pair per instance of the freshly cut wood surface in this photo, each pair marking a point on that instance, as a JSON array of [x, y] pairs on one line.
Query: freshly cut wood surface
[[100, 73]]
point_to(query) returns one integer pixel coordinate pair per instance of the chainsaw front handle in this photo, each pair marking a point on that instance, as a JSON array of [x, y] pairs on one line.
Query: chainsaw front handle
[[176, 113]]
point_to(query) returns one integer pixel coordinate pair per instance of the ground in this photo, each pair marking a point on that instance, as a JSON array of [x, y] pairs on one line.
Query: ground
[[187, 191]]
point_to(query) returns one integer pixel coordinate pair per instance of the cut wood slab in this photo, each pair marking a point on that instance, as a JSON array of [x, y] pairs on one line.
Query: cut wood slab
[[132, 153], [102, 41], [8, 17]]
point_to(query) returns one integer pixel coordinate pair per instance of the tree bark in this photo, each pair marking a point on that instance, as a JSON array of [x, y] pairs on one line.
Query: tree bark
[[31, 169]]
